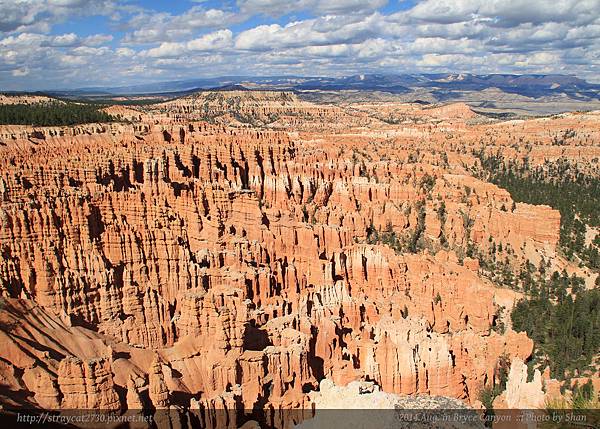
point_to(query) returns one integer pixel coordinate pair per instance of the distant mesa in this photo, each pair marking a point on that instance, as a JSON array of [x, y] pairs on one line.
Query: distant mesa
[[232, 87], [535, 93]]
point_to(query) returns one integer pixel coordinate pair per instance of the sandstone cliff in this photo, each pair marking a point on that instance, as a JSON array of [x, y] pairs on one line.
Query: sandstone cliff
[[180, 264]]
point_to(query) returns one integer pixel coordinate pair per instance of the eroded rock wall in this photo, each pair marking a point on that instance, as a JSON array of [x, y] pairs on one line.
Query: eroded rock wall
[[222, 267]]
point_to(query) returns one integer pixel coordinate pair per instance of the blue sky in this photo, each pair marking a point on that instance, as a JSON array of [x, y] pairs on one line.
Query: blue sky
[[56, 44]]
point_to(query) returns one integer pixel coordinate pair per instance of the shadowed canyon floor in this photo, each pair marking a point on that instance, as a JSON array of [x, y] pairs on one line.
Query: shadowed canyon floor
[[230, 250]]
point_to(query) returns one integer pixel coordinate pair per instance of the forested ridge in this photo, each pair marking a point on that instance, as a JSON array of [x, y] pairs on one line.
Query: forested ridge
[[560, 315], [561, 185], [53, 113], [565, 328]]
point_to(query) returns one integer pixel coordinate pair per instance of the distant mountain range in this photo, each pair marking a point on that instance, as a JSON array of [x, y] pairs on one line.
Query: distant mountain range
[[442, 86]]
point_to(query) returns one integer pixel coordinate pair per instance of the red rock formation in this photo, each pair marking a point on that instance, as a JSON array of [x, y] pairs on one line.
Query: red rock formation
[[87, 384], [235, 268], [157, 388]]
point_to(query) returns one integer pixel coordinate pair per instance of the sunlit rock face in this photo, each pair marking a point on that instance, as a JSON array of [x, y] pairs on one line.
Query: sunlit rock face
[[172, 263]]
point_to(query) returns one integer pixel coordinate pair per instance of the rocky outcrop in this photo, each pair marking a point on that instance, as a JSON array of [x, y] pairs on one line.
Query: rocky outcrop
[[256, 108], [43, 385], [184, 264], [87, 384], [157, 388], [360, 404], [519, 393]]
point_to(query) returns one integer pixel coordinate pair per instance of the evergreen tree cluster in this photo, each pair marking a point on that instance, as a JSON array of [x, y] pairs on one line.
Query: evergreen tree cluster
[[53, 113], [561, 185], [407, 243], [560, 315], [496, 387], [567, 333]]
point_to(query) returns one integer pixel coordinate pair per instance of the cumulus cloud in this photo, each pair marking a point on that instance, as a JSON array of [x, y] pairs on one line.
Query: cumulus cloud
[[311, 37], [65, 40], [209, 42], [283, 7], [539, 59], [507, 13], [328, 30], [445, 11], [148, 27], [41, 15], [19, 15], [20, 72], [72, 40]]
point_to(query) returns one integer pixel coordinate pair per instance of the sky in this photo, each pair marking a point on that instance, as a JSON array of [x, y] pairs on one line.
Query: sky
[[65, 44]]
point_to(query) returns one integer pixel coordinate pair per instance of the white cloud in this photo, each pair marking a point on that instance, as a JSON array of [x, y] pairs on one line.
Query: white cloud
[[283, 7], [97, 39], [125, 52], [433, 45], [445, 11], [163, 27], [217, 40], [69, 39], [339, 37], [214, 41], [41, 15], [514, 12], [328, 30], [20, 72], [507, 13], [539, 59], [166, 49]]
